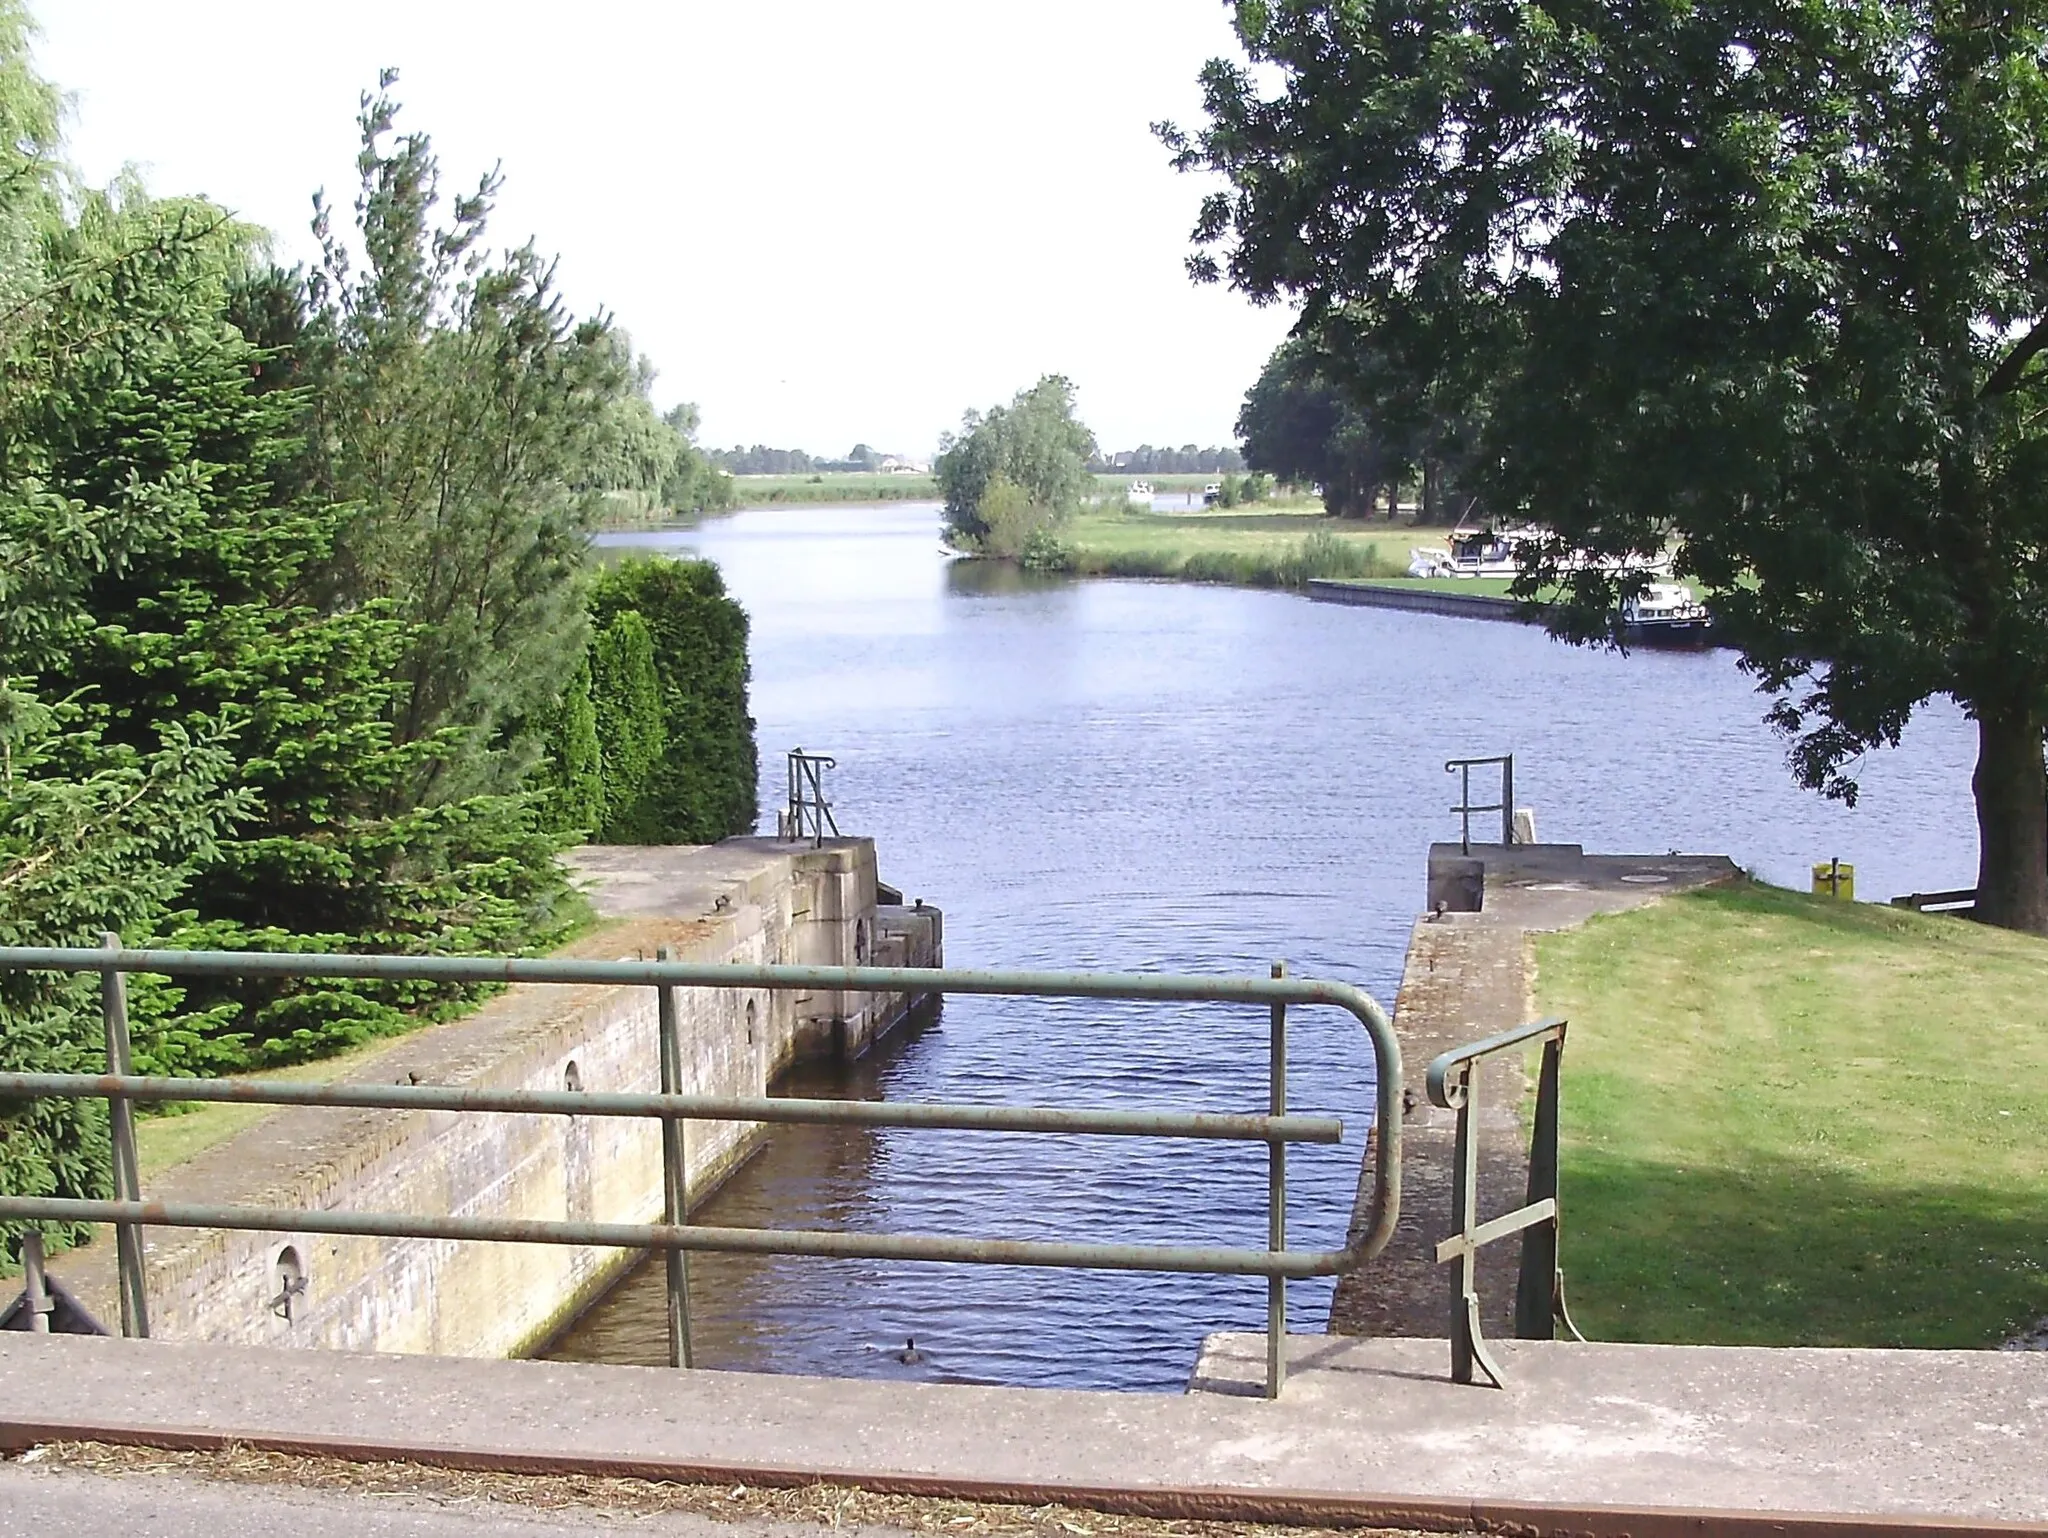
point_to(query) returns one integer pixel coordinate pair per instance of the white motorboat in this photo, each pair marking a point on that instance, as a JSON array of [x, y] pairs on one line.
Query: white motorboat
[[1140, 494], [1488, 552], [1473, 553], [1666, 614]]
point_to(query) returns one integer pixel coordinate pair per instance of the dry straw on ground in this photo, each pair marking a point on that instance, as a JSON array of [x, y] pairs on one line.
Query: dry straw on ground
[[834, 1506]]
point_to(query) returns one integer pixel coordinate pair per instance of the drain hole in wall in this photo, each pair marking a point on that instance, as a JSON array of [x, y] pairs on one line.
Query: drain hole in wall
[[750, 1022], [572, 1078]]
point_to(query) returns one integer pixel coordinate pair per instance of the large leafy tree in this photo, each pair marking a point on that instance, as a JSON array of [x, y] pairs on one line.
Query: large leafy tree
[[1015, 470], [1298, 425], [1764, 280]]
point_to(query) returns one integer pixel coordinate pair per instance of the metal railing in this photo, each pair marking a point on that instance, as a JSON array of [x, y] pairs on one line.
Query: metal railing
[[1539, 1292], [808, 813], [675, 1235], [1960, 900], [1466, 806]]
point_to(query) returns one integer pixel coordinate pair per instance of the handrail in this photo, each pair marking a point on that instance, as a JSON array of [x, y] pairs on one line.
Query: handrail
[[1449, 1093], [1539, 1292], [129, 1212], [1216, 1260], [866, 1113], [1466, 806], [808, 807]]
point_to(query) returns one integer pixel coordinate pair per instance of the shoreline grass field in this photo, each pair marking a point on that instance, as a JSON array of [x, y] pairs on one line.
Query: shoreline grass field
[[1789, 1120], [823, 489], [1262, 546]]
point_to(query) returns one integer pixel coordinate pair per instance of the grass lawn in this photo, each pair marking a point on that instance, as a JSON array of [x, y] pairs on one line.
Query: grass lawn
[[1238, 544], [841, 486], [1789, 1120]]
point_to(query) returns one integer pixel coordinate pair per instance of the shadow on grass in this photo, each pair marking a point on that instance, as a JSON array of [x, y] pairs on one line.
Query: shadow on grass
[[1779, 1253]]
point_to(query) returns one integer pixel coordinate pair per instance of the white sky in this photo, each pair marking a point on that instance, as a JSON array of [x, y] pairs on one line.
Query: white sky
[[825, 222]]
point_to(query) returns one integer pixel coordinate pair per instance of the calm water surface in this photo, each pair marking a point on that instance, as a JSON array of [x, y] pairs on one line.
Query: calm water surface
[[1144, 776]]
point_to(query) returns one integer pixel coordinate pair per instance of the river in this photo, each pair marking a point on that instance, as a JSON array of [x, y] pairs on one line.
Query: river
[[1147, 776]]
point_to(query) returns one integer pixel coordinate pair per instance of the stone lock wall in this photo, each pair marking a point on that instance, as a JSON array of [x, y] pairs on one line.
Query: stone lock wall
[[746, 900]]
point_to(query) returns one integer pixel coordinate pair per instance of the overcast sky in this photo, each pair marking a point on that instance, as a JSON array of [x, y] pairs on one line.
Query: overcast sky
[[825, 222]]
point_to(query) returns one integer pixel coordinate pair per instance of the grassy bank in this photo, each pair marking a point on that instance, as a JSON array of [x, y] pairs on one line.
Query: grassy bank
[[1789, 1120], [1273, 547], [822, 489]]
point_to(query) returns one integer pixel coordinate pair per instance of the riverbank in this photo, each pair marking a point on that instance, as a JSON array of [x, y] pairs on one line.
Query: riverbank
[[1284, 546], [1790, 1120], [824, 490]]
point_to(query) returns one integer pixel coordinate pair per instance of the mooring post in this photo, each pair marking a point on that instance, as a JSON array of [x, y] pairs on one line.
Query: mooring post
[[34, 1287], [675, 1174], [127, 1171], [1276, 1201]]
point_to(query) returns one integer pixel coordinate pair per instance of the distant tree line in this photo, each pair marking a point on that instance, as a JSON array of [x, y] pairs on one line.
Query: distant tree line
[[762, 460], [300, 642], [1185, 460]]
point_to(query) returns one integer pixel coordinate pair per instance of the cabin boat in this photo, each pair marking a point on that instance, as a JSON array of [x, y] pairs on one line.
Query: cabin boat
[[1666, 614], [1474, 553], [1140, 494], [1496, 553]]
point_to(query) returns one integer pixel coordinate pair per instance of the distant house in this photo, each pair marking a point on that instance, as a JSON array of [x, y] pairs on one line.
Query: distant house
[[894, 464]]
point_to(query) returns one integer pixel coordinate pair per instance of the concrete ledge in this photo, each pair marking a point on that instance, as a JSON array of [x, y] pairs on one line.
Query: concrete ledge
[[1588, 1439], [1367, 593]]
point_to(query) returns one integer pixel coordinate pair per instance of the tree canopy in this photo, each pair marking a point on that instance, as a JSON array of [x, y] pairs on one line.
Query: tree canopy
[[1763, 282], [297, 651], [1015, 471], [1297, 425]]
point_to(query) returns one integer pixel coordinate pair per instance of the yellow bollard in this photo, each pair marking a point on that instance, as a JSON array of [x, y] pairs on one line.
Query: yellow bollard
[[1831, 878]]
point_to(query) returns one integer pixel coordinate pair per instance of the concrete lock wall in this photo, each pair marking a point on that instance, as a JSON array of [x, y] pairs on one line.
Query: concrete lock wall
[[766, 902]]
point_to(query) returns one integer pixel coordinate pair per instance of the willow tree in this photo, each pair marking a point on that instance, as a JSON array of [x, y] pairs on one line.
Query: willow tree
[[1766, 281]]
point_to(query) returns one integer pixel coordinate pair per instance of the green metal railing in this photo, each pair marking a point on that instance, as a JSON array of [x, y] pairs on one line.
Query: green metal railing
[[1466, 806], [675, 1236], [1539, 1293]]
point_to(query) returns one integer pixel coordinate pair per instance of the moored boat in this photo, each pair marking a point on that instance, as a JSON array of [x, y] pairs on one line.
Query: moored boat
[[1666, 614], [1497, 553]]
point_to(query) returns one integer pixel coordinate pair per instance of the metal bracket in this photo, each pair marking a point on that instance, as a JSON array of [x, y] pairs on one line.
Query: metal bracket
[[281, 1305]]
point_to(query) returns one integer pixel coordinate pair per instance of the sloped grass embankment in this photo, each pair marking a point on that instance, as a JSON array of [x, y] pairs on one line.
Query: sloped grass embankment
[[1794, 1121]]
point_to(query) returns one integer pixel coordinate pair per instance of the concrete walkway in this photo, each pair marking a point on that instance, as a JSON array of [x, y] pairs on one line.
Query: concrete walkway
[[38, 1504], [1587, 1439], [1469, 976]]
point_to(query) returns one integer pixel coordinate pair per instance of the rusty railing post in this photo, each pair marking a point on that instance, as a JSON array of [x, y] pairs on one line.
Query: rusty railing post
[[127, 1170], [34, 1286], [1276, 1201], [1540, 1285], [675, 1175]]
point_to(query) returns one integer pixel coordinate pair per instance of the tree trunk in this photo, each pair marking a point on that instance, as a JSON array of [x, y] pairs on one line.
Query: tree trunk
[[2011, 786], [1432, 490]]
